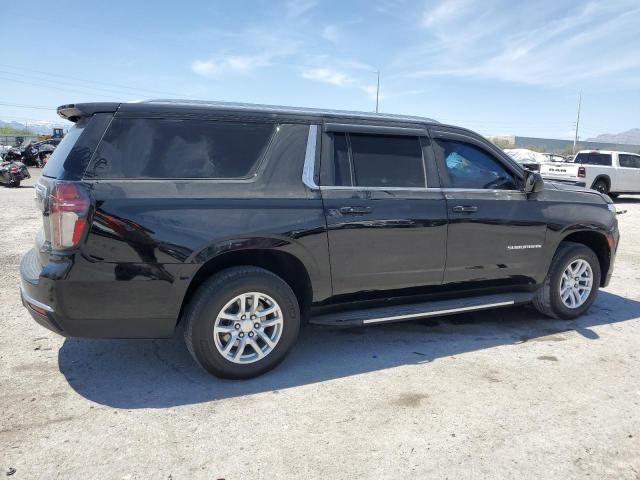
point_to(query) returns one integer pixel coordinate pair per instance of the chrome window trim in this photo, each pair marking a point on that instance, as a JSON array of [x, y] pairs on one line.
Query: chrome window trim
[[308, 173], [480, 190], [375, 129], [379, 189], [308, 170]]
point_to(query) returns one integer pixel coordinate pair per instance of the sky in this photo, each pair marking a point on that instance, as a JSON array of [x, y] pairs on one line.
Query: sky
[[495, 66]]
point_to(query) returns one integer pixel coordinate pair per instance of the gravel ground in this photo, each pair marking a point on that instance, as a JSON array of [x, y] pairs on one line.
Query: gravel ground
[[501, 394]]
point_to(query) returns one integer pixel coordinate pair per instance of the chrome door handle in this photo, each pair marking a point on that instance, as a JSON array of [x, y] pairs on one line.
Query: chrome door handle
[[464, 209], [355, 210]]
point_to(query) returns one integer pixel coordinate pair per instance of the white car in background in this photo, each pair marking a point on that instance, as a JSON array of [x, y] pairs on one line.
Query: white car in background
[[529, 159], [606, 171]]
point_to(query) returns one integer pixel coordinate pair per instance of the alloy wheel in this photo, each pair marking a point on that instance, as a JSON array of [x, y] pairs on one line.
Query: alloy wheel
[[248, 327], [576, 283]]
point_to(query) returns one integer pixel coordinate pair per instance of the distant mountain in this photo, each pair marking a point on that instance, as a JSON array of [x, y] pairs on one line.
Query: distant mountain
[[41, 127], [631, 137]]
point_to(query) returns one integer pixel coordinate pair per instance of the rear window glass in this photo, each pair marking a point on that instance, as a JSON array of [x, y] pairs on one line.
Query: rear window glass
[[594, 158], [55, 165], [159, 148]]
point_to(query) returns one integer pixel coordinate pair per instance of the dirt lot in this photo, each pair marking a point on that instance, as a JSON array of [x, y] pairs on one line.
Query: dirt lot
[[502, 394]]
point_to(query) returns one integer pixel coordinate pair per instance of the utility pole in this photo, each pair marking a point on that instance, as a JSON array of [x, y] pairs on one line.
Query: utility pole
[[377, 89], [575, 137]]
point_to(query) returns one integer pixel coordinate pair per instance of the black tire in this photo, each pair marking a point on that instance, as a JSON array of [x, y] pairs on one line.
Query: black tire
[[15, 184], [209, 300], [547, 298], [601, 186]]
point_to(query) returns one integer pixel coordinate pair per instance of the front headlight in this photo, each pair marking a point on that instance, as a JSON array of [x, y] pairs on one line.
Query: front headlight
[[612, 207]]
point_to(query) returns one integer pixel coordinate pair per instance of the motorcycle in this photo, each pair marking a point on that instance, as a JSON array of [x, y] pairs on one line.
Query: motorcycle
[[33, 154], [14, 154], [30, 155], [12, 173]]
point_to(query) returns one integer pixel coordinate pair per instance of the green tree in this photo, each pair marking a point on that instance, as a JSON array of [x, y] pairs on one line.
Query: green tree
[[13, 131]]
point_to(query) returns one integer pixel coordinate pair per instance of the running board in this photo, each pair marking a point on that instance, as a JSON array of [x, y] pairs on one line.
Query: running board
[[399, 313]]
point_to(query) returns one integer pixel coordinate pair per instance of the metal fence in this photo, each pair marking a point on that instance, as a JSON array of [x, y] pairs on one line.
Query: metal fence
[[14, 140]]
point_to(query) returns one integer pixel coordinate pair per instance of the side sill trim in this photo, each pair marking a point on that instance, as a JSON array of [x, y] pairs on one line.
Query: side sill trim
[[438, 312]]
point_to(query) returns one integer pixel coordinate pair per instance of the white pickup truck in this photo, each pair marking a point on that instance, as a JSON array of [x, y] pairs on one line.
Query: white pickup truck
[[606, 171]]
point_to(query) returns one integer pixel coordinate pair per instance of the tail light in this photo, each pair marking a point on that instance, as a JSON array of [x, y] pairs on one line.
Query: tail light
[[14, 170], [69, 205], [582, 172]]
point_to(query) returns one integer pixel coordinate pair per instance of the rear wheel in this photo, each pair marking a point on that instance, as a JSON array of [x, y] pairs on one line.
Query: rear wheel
[[241, 322], [601, 186], [572, 283]]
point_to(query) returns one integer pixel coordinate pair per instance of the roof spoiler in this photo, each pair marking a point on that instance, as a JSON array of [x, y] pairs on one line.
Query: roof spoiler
[[75, 111]]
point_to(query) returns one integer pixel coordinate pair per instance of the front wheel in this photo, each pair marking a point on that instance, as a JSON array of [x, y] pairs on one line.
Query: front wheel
[[241, 322], [571, 285]]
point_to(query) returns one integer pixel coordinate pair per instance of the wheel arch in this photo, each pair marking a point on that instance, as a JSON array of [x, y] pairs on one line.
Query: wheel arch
[[596, 241], [603, 177], [284, 264]]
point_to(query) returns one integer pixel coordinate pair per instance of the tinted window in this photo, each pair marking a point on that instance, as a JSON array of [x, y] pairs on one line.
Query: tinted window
[[471, 167], [594, 158], [154, 148], [386, 161], [341, 165], [55, 164], [631, 161]]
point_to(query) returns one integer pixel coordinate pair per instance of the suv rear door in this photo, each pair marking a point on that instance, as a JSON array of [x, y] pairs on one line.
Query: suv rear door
[[67, 164], [496, 231], [385, 213]]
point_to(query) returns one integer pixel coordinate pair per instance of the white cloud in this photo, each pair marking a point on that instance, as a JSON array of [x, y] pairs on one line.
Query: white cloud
[[233, 63], [370, 90], [331, 33], [541, 44], [447, 10], [297, 8], [328, 75]]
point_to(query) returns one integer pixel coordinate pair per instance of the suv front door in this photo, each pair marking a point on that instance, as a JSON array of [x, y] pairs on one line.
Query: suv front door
[[386, 229], [496, 231]]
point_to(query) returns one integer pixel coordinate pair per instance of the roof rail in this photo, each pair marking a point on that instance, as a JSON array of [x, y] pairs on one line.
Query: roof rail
[[287, 110]]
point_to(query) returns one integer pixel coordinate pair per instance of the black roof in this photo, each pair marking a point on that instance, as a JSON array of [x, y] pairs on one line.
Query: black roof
[[74, 111]]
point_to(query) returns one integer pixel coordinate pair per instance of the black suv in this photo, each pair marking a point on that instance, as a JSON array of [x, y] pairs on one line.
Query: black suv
[[241, 221]]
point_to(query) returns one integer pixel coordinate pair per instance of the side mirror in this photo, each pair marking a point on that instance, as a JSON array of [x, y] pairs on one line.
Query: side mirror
[[533, 182]]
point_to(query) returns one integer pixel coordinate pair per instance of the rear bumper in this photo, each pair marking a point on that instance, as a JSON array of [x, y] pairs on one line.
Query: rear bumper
[[43, 314], [576, 183], [36, 294], [52, 300]]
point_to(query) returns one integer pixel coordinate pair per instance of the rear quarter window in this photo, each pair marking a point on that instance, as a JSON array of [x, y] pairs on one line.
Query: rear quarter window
[[629, 161], [594, 158], [162, 148], [55, 165]]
